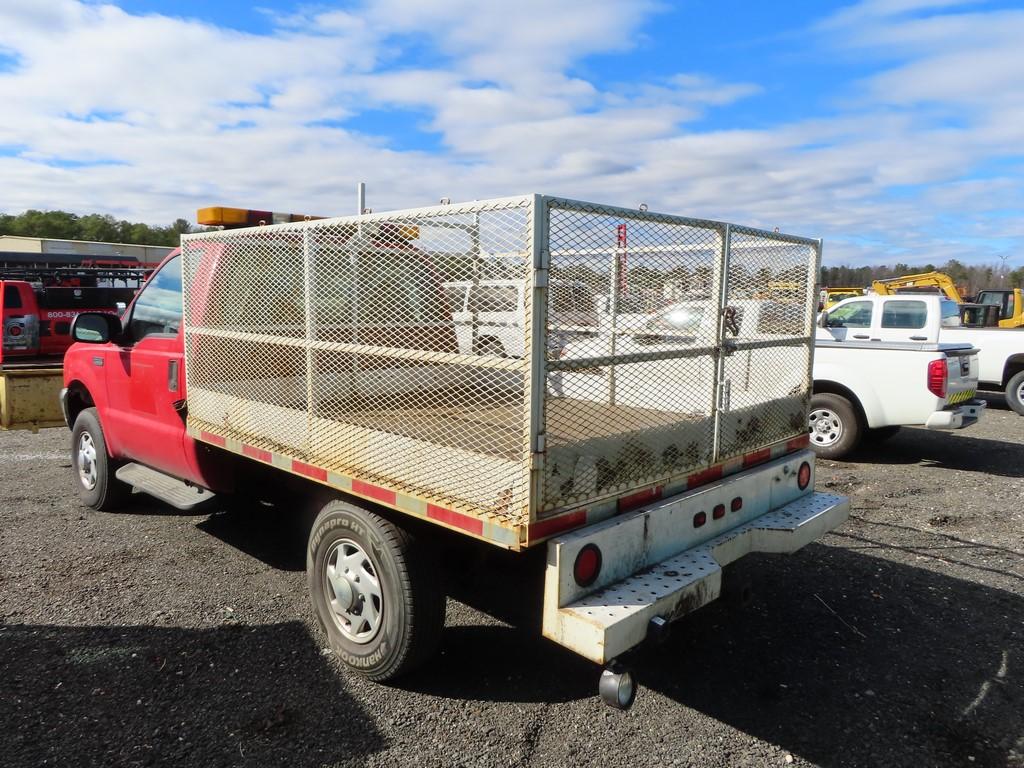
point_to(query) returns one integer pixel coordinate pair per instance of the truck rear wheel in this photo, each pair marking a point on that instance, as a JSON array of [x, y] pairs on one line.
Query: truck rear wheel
[[94, 469], [834, 426], [1015, 392], [375, 591]]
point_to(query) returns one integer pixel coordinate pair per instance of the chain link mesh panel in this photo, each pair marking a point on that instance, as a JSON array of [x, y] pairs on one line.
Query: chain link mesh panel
[[389, 348], [631, 381], [766, 369], [398, 348]]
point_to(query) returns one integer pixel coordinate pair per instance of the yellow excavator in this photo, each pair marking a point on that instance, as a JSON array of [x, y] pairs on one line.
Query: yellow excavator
[[1010, 302], [925, 282]]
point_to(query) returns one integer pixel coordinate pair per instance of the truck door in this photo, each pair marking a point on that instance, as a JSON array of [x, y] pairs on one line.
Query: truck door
[[850, 321], [19, 319], [901, 320], [145, 378]]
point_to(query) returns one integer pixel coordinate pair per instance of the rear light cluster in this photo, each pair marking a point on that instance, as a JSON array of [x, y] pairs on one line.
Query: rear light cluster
[[938, 371], [718, 512]]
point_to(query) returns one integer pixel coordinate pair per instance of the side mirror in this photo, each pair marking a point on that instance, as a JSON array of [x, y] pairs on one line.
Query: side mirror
[[95, 327], [822, 320]]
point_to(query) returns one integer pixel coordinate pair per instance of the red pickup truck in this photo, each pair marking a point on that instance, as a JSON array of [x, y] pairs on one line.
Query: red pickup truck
[[322, 361]]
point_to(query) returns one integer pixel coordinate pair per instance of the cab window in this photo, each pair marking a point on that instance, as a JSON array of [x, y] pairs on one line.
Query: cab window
[[856, 314], [157, 308], [904, 314], [12, 299]]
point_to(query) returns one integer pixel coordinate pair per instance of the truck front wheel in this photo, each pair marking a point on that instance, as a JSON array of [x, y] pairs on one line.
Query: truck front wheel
[[833, 424], [1015, 392], [375, 591], [94, 469]]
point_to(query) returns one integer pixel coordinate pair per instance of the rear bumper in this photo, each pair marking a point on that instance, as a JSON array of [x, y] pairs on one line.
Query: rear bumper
[[657, 563], [957, 418]]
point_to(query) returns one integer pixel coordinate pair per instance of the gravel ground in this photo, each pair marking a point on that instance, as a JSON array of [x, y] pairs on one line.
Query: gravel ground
[[150, 637]]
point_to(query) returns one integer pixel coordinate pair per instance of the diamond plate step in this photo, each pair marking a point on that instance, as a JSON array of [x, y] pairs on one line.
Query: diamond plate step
[[164, 487]]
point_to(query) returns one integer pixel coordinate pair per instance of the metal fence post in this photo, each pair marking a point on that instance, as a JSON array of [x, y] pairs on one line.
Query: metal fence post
[[720, 294], [537, 346]]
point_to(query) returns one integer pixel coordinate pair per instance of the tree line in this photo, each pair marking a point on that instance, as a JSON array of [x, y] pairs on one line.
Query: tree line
[[99, 227], [971, 278]]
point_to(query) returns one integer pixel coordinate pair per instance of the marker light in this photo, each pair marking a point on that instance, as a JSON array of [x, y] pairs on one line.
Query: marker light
[[587, 566], [803, 475]]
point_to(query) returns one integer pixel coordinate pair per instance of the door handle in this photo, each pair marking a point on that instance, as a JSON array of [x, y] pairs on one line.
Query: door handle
[[172, 375], [860, 336], [919, 338]]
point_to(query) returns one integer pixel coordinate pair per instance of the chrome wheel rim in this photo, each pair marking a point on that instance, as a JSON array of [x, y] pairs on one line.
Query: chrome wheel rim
[[87, 474], [826, 427], [1020, 393], [353, 591]]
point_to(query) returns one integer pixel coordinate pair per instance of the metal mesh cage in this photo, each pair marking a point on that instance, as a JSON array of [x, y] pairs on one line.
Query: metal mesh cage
[[505, 358]]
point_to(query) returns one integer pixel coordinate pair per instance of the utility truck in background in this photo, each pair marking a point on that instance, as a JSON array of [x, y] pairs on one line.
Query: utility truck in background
[[321, 360], [37, 307]]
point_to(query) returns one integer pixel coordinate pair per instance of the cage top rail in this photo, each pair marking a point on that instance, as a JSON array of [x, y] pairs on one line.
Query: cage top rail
[[520, 201]]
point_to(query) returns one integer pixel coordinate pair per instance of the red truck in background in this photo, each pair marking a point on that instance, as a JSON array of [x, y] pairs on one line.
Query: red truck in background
[[37, 307], [323, 369]]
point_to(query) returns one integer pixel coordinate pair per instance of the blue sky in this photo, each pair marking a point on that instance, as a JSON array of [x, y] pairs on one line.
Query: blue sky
[[894, 129]]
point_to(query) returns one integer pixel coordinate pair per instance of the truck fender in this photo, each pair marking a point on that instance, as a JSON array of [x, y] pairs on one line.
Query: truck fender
[[840, 380], [78, 398], [1014, 364]]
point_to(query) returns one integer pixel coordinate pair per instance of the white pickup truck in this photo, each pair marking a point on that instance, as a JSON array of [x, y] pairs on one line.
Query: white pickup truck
[[936, 319], [876, 369], [862, 388]]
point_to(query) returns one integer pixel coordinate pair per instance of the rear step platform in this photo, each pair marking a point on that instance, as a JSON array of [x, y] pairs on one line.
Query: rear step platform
[[169, 489]]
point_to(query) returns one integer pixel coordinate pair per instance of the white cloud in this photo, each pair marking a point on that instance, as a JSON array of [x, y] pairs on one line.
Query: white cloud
[[178, 113]]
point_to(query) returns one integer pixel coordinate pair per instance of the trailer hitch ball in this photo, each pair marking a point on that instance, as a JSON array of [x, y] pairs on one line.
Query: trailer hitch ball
[[617, 687]]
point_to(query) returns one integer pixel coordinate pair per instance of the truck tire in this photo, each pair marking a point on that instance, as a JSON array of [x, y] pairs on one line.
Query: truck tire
[[1015, 392], [834, 426], [93, 468], [375, 591]]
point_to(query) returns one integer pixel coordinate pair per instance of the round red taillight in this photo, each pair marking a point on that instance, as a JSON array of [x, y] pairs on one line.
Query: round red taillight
[[14, 330], [587, 566], [736, 504], [718, 512], [803, 477], [699, 519]]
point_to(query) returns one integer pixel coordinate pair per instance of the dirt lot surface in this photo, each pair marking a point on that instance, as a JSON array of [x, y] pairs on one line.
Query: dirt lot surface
[[150, 637]]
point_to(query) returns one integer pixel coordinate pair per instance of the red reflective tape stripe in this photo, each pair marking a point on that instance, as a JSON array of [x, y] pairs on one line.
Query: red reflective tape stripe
[[634, 500], [466, 523], [707, 476], [309, 470], [257, 453], [757, 457], [557, 524], [371, 491], [798, 442], [209, 437]]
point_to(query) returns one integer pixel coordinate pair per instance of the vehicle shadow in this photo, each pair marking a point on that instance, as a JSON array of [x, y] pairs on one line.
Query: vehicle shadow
[[272, 534], [114, 695], [850, 660], [943, 450], [996, 400], [843, 659]]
